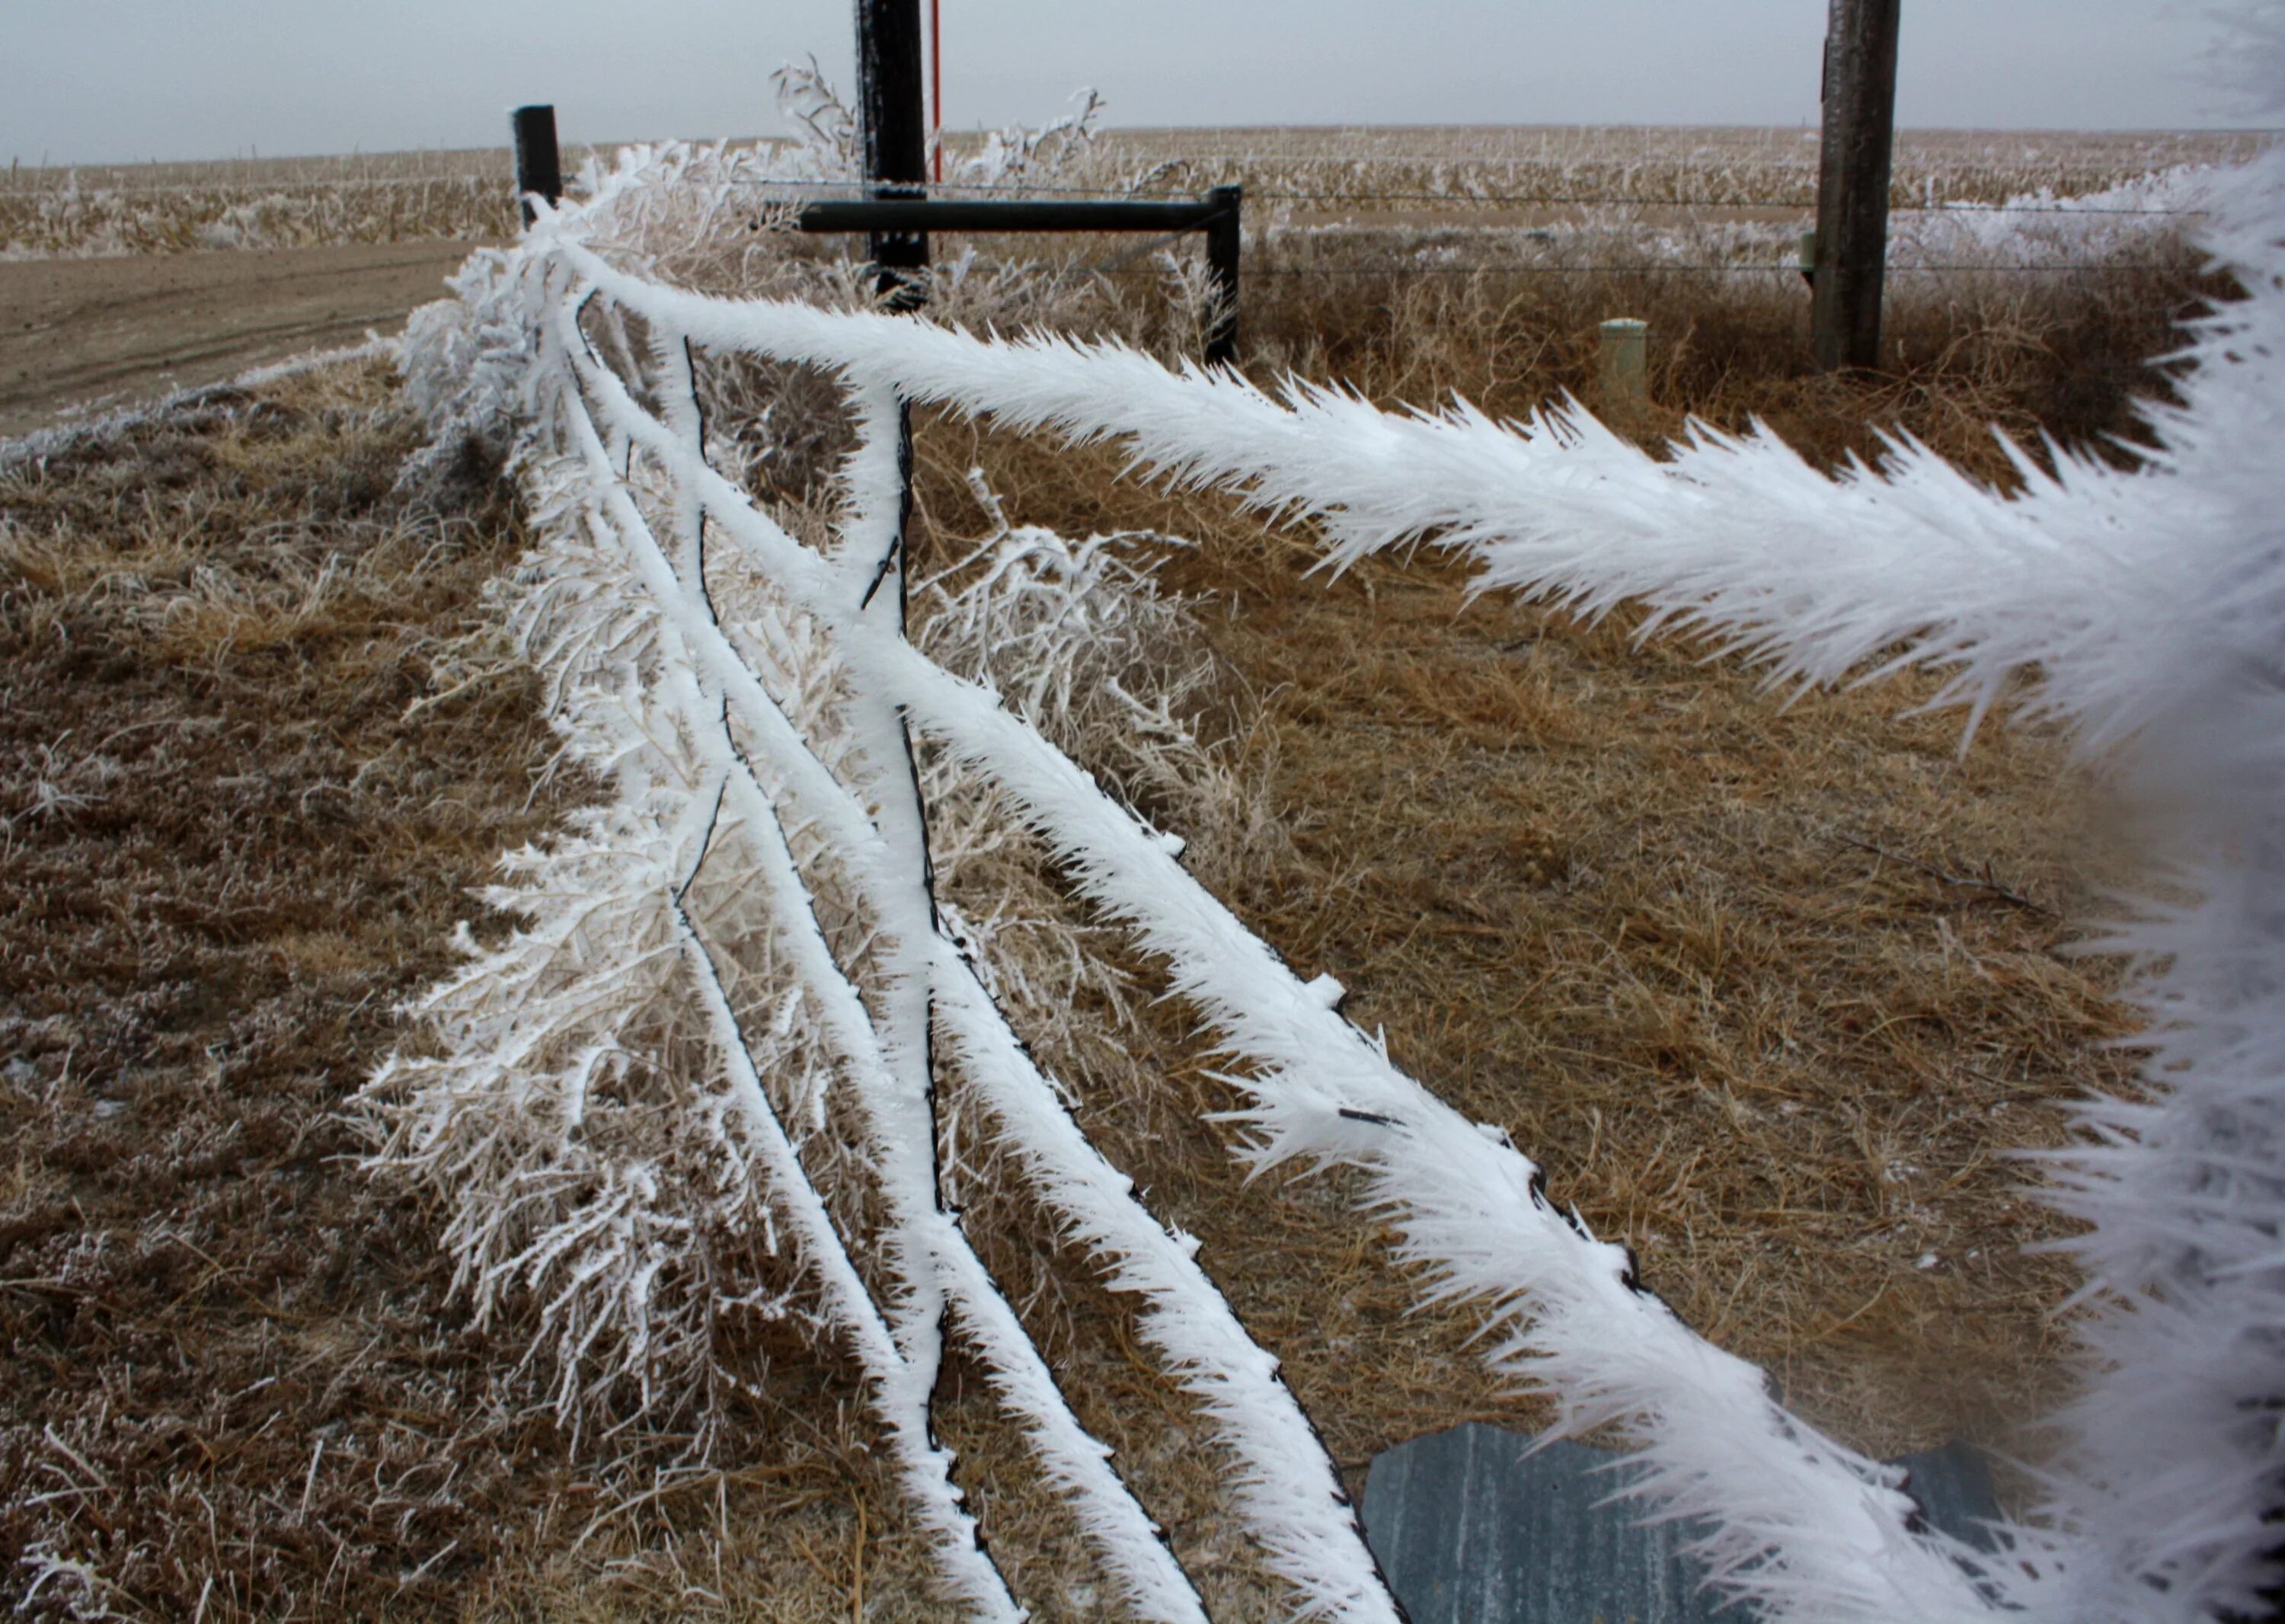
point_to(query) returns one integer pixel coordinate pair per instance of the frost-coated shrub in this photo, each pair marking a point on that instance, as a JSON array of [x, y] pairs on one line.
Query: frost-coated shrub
[[660, 1109], [719, 217]]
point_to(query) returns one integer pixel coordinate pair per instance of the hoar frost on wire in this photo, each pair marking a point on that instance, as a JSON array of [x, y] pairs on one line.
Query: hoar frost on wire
[[2147, 603], [1466, 1207], [561, 1097], [1816, 1524]]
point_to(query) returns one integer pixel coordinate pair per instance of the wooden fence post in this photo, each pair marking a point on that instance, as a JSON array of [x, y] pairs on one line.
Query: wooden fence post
[[1223, 242], [1852, 183], [894, 116], [539, 161]]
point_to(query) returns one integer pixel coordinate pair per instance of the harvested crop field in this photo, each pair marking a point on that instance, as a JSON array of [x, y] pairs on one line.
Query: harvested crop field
[[1771, 991]]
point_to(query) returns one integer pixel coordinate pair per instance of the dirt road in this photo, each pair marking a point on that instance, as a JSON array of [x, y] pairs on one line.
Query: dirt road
[[101, 333]]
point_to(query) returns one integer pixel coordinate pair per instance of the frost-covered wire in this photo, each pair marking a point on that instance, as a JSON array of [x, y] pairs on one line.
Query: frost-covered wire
[[2149, 622], [932, 1261], [1800, 1520], [2145, 604], [707, 704], [1298, 1512]]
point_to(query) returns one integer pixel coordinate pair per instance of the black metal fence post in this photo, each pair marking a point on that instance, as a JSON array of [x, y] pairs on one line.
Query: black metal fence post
[[1224, 239], [894, 119], [539, 161]]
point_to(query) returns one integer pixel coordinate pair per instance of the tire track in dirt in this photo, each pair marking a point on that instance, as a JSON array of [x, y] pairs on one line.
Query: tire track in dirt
[[76, 334]]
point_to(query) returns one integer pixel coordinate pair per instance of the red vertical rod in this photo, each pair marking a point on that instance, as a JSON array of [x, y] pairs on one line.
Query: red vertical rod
[[936, 80]]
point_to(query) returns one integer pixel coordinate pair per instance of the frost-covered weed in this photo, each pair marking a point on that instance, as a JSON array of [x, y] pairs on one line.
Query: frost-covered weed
[[587, 1099], [720, 217], [560, 1099]]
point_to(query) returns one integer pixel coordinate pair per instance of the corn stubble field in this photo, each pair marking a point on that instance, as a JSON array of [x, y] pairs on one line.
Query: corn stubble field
[[1770, 991]]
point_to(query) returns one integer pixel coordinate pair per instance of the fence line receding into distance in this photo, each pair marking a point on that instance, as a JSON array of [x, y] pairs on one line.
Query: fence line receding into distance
[[1810, 1515], [1736, 535]]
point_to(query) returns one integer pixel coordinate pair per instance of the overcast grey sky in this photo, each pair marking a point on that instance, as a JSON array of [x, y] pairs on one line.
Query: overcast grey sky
[[109, 81]]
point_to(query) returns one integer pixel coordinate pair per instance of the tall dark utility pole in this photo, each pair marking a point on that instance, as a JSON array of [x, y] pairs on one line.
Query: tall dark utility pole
[[895, 120], [1852, 183]]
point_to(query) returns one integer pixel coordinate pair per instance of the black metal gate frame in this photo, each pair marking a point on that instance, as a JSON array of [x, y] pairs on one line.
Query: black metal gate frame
[[898, 225], [1216, 215]]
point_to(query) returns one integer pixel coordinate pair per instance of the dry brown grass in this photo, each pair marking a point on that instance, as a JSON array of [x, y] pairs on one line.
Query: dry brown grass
[[1694, 950], [2029, 352], [234, 1383], [227, 850], [1678, 940]]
